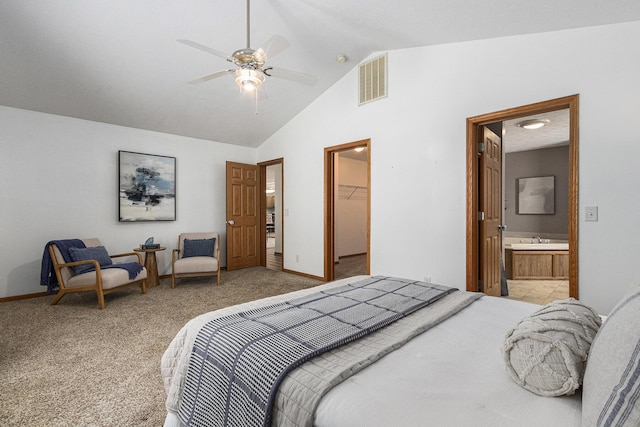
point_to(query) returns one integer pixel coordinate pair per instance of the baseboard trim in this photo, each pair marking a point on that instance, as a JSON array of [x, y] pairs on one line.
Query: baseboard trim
[[352, 255], [348, 256], [26, 296], [297, 273]]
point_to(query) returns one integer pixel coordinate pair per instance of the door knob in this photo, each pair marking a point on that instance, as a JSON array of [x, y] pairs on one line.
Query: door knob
[[231, 222]]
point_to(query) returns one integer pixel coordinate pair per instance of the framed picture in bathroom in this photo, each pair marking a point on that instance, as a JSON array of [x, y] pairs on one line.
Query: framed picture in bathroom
[[536, 195]]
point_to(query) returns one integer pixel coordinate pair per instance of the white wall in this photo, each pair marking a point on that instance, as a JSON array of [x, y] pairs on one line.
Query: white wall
[[418, 151], [59, 180]]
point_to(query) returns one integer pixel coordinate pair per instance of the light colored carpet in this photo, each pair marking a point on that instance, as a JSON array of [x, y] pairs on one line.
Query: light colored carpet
[[74, 365]]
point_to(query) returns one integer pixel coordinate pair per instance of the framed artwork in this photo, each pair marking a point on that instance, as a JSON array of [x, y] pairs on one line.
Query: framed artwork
[[147, 185], [536, 195]]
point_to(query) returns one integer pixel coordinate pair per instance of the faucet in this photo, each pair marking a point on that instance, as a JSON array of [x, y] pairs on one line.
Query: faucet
[[539, 238]]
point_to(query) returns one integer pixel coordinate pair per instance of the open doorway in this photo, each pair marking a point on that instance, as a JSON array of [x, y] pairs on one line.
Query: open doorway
[[481, 261], [347, 209], [272, 242], [535, 207]]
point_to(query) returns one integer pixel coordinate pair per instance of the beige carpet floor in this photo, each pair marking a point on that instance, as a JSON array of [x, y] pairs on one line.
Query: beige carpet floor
[[74, 365]]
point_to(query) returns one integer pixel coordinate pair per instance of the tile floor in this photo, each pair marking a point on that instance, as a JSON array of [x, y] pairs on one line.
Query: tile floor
[[538, 291]]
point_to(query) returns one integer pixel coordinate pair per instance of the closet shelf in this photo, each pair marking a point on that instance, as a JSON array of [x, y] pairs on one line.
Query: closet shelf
[[352, 192]]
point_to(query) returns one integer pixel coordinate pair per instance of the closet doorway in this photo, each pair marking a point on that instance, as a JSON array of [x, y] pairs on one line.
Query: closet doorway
[[347, 210]]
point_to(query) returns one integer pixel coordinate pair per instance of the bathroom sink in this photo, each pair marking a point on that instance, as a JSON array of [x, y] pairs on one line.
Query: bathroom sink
[[540, 246]]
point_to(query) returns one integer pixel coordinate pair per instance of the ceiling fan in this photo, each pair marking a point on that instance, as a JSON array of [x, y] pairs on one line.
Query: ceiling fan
[[251, 71]]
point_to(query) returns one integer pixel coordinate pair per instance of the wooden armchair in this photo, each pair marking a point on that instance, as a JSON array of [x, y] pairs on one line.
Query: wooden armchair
[[196, 255], [101, 279]]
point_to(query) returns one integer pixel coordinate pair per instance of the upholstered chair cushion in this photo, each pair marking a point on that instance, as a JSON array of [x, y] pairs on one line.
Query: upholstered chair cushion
[[111, 278], [196, 265]]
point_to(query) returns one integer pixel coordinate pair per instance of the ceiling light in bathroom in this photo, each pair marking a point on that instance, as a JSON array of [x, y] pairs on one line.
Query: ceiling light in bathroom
[[533, 123]]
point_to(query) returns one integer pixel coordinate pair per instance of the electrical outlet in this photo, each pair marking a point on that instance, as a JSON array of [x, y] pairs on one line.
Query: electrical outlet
[[591, 213], [427, 279], [297, 258]]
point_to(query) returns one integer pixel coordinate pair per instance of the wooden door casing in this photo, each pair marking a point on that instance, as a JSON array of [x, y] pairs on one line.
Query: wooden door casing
[[243, 208], [474, 125]]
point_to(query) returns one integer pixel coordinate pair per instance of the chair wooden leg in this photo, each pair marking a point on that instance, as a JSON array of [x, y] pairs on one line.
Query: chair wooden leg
[[173, 281], [58, 297], [143, 286], [218, 276], [100, 299]]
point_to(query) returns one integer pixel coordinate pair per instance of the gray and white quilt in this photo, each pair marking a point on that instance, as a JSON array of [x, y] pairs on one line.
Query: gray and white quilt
[[239, 360]]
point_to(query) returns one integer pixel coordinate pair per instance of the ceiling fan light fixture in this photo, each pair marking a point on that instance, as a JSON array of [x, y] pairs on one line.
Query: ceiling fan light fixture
[[533, 123], [249, 79]]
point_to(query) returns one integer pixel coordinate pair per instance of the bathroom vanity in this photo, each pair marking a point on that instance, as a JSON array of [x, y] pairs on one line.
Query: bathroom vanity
[[538, 261]]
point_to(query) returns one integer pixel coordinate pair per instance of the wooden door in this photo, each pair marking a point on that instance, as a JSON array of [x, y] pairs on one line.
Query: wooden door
[[243, 208], [490, 205]]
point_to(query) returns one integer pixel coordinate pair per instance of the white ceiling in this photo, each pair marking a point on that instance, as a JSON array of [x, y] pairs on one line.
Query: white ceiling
[[117, 61]]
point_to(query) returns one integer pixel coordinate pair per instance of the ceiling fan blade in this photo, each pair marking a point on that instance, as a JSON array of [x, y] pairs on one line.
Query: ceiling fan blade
[[271, 48], [210, 77], [295, 76], [204, 48]]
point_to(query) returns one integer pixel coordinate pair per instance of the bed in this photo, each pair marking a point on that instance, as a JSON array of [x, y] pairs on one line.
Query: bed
[[451, 374]]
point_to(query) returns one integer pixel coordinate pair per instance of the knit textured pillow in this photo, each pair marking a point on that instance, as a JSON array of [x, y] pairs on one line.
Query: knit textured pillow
[[546, 352]]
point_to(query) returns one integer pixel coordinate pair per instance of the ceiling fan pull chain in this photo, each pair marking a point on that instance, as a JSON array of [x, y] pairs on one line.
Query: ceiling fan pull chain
[[255, 92]]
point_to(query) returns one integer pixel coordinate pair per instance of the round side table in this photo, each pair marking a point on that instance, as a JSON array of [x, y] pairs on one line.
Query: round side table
[[151, 265]]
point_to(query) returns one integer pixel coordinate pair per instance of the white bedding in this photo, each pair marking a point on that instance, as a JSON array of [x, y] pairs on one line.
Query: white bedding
[[451, 375]]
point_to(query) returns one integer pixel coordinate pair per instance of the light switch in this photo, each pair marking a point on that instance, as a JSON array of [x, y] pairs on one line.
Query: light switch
[[591, 213]]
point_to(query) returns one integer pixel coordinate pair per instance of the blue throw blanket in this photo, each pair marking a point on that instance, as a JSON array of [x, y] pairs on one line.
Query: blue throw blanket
[[48, 276], [238, 361]]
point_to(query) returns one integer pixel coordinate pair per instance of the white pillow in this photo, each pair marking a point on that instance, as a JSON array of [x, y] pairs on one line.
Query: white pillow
[[611, 391], [546, 352]]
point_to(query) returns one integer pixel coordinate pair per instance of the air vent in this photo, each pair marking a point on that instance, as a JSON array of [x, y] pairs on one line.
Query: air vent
[[373, 79]]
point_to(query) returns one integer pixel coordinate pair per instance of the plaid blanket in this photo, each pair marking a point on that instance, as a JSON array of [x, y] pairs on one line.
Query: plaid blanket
[[238, 361]]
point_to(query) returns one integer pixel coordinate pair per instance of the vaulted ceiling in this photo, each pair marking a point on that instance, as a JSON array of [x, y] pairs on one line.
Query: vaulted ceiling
[[119, 62]]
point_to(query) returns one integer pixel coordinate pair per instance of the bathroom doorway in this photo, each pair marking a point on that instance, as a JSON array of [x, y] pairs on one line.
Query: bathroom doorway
[[476, 247], [535, 240]]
